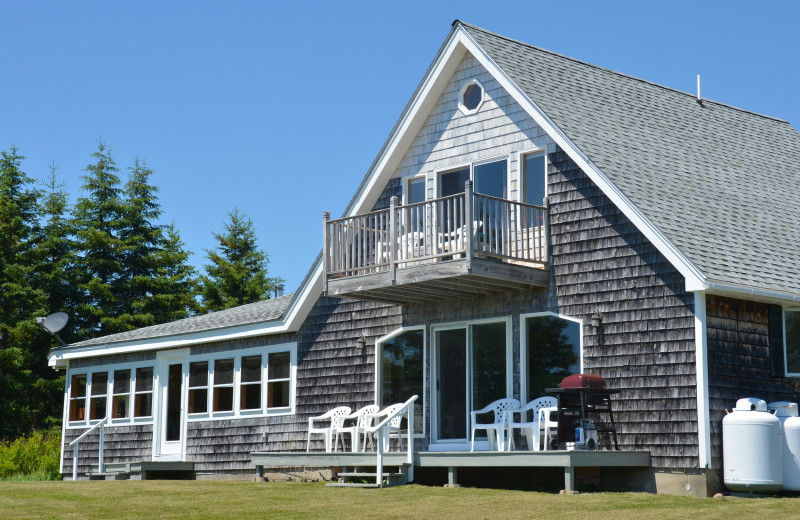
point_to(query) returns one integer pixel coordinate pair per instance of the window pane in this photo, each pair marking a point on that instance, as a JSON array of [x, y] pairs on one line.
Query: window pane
[[119, 406], [223, 399], [472, 97], [98, 410], [198, 373], [122, 381], [279, 366], [250, 397], [402, 367], [143, 406], [198, 401], [278, 394], [553, 347], [792, 319], [144, 380], [534, 179], [78, 386], [490, 179], [251, 369], [223, 371], [99, 383], [453, 182], [416, 190], [488, 363]]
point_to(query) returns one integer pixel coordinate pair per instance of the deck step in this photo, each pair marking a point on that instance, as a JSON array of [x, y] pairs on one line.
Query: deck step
[[116, 475], [373, 475], [352, 485]]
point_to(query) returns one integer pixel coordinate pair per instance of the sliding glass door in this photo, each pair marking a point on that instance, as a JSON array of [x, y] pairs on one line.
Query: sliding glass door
[[471, 371]]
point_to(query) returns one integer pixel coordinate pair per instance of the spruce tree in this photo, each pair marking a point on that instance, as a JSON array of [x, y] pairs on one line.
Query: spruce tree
[[237, 273], [99, 224], [20, 300]]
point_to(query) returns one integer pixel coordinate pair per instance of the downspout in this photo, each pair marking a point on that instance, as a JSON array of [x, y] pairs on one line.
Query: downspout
[[701, 370]]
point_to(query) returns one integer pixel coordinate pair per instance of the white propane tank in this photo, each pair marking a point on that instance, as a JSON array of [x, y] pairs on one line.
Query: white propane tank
[[787, 413], [751, 448]]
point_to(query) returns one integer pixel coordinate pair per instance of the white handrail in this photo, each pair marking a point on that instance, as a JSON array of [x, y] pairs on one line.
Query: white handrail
[[75, 443], [382, 429]]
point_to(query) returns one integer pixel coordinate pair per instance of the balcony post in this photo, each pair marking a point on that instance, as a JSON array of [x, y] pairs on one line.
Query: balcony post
[[326, 238], [548, 250], [393, 236], [469, 224]]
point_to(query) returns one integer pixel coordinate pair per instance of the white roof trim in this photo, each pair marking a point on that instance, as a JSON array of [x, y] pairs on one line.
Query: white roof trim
[[752, 293]]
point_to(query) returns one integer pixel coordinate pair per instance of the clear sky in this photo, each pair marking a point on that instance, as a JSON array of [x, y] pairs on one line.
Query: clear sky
[[279, 108]]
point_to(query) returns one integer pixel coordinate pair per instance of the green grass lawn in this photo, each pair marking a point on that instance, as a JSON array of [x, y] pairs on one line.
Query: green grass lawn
[[216, 499]]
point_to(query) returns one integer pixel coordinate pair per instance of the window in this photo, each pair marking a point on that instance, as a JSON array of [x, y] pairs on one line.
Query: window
[[471, 97], [552, 351], [400, 365], [143, 401], [250, 392], [121, 395], [77, 398], [533, 179], [198, 387], [416, 190], [278, 380], [490, 178], [99, 391], [792, 331], [223, 385]]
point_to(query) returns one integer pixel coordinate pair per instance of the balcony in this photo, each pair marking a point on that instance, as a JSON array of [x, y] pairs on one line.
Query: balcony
[[462, 245]]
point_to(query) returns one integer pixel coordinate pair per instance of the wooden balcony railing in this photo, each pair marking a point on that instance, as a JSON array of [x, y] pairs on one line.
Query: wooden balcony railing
[[459, 226]]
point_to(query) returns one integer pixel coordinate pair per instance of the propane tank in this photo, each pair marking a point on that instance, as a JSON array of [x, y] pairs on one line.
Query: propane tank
[[751, 448]]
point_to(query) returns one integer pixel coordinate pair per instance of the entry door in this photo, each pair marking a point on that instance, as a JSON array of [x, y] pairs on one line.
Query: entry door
[[170, 427], [472, 370]]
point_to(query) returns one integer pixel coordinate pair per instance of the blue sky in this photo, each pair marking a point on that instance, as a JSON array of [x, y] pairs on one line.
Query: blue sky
[[279, 108]]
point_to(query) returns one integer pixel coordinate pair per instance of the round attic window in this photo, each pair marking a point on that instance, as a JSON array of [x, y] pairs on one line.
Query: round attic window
[[471, 97]]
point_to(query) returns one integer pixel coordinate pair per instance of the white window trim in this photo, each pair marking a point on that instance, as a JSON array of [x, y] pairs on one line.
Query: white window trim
[[406, 180], [237, 356], [464, 87], [471, 165], [378, 372], [455, 443], [523, 346], [521, 173], [785, 344], [110, 369]]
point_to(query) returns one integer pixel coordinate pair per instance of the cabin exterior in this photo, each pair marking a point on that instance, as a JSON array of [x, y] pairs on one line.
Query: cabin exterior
[[521, 194]]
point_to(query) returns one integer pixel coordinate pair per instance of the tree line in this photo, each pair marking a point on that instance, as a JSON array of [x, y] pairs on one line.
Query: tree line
[[106, 261]]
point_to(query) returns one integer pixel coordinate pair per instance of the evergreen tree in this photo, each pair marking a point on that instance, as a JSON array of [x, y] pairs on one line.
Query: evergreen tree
[[174, 285], [20, 301], [237, 273], [99, 224]]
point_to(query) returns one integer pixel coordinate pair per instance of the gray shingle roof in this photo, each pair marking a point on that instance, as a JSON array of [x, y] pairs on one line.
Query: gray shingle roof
[[720, 182], [263, 311]]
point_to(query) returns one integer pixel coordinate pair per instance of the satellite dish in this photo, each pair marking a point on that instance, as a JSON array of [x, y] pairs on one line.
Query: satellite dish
[[54, 322]]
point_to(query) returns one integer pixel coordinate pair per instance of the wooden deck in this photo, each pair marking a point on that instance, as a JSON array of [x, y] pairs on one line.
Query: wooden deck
[[452, 460]]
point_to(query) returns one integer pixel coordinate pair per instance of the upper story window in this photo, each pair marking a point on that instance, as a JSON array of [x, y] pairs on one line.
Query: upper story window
[[489, 178], [471, 97], [534, 184]]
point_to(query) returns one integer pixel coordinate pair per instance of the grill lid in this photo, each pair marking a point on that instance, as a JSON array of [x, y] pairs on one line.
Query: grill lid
[[584, 381]]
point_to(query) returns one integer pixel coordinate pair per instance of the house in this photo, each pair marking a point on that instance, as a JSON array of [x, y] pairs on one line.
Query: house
[[671, 220]]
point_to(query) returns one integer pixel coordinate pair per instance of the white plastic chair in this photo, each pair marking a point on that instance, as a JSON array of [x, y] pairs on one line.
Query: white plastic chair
[[501, 409], [395, 431], [547, 426], [335, 417], [536, 407], [363, 418]]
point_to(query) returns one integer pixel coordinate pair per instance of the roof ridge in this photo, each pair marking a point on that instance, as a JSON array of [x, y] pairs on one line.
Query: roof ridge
[[622, 74]]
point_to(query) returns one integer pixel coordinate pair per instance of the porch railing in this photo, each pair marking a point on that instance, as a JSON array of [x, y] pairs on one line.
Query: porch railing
[[457, 226], [101, 465], [383, 431]]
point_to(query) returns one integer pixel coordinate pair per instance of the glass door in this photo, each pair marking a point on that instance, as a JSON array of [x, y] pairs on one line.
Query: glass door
[[170, 419], [471, 371]]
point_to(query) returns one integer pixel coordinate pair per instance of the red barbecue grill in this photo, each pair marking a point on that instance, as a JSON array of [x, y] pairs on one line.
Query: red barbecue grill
[[582, 397]]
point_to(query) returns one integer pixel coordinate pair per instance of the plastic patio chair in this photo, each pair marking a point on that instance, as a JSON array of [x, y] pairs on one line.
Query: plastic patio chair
[[363, 418], [536, 407], [335, 417], [501, 409], [394, 426]]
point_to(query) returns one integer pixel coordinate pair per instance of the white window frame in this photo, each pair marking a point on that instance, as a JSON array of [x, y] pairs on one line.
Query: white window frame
[[237, 356], [521, 172], [109, 369], [471, 165], [455, 444], [407, 180], [379, 369], [785, 344], [523, 346], [464, 110], [233, 385], [112, 381]]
